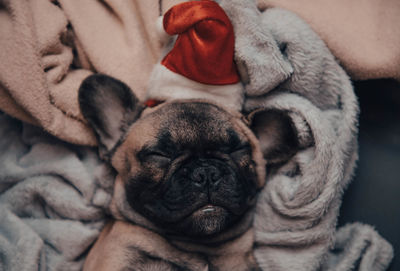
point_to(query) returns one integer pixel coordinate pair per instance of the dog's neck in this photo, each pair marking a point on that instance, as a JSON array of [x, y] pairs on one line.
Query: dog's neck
[[236, 240], [235, 252]]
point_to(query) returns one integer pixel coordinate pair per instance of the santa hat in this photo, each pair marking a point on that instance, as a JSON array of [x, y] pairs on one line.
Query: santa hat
[[200, 64]]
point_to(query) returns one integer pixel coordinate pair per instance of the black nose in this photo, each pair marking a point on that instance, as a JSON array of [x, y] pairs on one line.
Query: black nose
[[204, 175]]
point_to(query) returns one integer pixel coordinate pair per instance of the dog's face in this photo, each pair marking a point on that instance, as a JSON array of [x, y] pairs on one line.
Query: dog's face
[[191, 170], [190, 167]]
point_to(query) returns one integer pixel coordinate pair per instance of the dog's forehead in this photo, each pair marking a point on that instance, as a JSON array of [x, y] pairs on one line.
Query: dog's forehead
[[179, 108], [186, 124], [189, 120]]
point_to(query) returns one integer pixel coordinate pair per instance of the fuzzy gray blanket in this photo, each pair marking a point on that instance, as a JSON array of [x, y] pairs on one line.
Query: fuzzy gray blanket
[[286, 66], [54, 196]]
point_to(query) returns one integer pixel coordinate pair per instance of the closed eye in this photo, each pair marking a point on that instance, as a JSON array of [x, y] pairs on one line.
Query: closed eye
[[241, 148], [159, 159], [157, 155], [153, 155], [240, 151]]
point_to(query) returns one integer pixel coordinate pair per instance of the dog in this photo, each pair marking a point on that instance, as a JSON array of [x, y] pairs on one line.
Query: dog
[[188, 174]]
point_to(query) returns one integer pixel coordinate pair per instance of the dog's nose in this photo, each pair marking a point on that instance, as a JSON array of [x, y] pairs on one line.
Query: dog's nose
[[204, 175]]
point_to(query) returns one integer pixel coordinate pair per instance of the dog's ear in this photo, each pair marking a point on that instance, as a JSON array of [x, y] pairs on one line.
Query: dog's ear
[[276, 133], [110, 107]]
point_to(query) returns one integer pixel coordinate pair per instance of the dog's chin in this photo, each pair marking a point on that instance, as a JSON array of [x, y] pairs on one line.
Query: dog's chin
[[208, 220]]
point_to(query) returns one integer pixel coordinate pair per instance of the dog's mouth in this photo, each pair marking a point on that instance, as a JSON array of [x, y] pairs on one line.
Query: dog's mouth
[[207, 220], [209, 209], [205, 211], [204, 218]]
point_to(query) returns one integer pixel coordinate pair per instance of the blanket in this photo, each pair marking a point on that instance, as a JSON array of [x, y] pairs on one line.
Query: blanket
[[48, 47], [287, 67], [363, 34], [53, 199]]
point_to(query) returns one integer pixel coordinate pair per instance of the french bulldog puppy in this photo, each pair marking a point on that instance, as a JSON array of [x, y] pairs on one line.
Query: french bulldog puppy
[[188, 173]]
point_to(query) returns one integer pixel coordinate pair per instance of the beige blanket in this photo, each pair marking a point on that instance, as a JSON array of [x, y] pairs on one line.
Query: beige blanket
[[47, 48]]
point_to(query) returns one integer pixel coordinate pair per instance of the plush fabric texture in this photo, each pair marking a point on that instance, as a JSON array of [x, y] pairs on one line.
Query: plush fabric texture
[[363, 34], [297, 210], [39, 85], [47, 49], [53, 199]]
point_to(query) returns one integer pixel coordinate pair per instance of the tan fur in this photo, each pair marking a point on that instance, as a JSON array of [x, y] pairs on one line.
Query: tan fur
[[144, 134], [120, 241]]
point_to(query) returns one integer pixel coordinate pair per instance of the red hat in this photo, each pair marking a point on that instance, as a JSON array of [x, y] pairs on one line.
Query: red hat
[[202, 57], [204, 49]]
